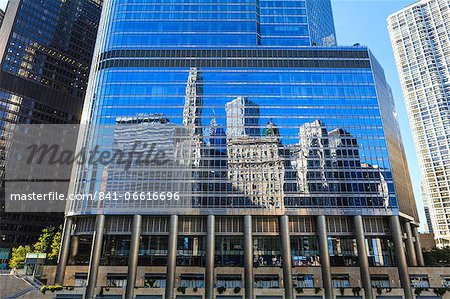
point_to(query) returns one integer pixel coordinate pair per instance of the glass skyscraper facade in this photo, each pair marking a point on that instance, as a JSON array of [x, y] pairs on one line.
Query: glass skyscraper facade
[[420, 39], [45, 54], [247, 23], [305, 98], [293, 156]]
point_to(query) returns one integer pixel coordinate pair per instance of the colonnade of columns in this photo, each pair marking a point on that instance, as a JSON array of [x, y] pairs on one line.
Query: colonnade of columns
[[413, 256]]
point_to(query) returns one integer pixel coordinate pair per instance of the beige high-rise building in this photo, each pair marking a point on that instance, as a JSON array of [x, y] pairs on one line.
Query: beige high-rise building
[[420, 36]]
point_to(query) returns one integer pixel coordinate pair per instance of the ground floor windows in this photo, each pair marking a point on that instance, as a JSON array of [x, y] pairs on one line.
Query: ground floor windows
[[381, 251], [229, 251], [81, 248], [419, 281], [154, 281], [305, 251], [116, 280], [343, 251], [340, 281], [380, 281], [191, 251], [192, 280], [229, 281], [267, 251], [80, 280], [116, 250], [446, 281], [266, 281], [153, 251], [303, 281]]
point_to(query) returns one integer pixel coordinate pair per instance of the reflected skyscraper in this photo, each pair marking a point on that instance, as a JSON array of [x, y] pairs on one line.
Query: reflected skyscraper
[[242, 118], [313, 157], [312, 169], [192, 111], [329, 162]]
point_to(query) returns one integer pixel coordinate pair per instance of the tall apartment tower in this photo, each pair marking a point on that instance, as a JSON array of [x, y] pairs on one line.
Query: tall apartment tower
[[45, 55], [421, 42], [265, 80]]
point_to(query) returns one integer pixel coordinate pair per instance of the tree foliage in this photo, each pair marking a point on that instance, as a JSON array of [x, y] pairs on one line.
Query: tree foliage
[[437, 257], [54, 248], [48, 242], [18, 256], [44, 243]]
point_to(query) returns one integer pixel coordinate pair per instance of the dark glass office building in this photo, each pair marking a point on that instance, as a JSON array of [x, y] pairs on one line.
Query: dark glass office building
[[45, 55], [294, 164]]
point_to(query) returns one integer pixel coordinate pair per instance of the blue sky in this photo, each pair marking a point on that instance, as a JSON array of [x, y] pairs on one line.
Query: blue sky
[[364, 22]]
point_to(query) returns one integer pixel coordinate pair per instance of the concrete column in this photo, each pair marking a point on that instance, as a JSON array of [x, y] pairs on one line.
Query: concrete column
[[400, 254], [171, 257], [287, 260], [324, 256], [96, 251], [412, 259], [418, 247], [133, 258], [64, 251], [248, 257], [210, 247], [362, 256], [75, 242]]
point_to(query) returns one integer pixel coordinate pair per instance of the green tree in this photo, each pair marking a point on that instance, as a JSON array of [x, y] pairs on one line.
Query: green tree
[[18, 256], [437, 257], [44, 243], [54, 248], [49, 242]]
